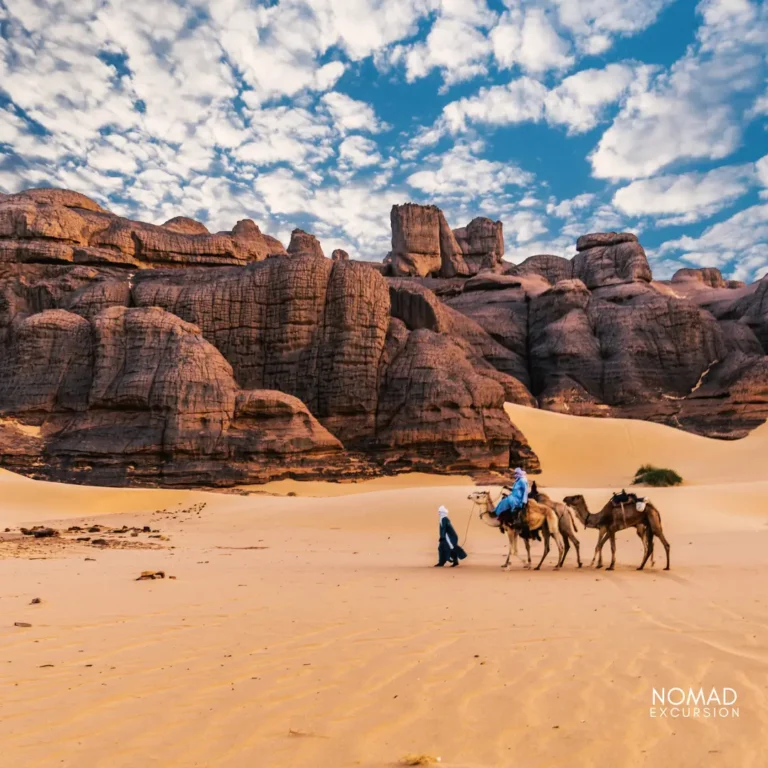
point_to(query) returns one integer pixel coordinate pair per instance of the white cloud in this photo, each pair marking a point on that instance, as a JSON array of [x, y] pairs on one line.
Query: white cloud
[[594, 22], [523, 226], [687, 197], [528, 39], [739, 245], [519, 101], [761, 166], [349, 114], [688, 113], [283, 134], [578, 102], [760, 107], [358, 152], [460, 173], [565, 209], [456, 43]]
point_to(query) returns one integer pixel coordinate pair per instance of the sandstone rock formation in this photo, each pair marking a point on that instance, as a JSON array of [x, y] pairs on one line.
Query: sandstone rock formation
[[610, 258], [552, 268], [598, 337], [708, 276], [482, 244], [423, 244], [186, 226], [137, 394], [222, 375], [304, 244], [141, 354], [61, 227]]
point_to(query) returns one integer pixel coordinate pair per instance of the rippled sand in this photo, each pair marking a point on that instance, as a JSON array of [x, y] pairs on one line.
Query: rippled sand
[[312, 631]]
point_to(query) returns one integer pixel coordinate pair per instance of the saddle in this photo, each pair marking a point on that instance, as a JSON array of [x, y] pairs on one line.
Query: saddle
[[619, 499], [507, 521]]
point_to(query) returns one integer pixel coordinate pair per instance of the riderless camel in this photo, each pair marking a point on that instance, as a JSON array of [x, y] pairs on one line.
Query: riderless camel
[[616, 516], [535, 517]]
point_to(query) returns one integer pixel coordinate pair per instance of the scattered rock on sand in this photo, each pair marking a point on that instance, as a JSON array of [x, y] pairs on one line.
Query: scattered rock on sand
[[40, 532], [21, 624], [418, 760], [149, 575]]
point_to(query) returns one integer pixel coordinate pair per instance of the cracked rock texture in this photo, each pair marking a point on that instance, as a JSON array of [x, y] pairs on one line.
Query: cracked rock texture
[[132, 353]]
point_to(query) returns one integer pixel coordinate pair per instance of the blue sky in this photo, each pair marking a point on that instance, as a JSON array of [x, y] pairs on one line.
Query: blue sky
[[558, 117]]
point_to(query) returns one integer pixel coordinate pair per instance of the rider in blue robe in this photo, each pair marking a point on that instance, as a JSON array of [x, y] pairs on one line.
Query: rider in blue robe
[[516, 500]]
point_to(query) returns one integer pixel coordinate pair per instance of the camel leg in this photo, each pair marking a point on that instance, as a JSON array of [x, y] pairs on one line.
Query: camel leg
[[666, 547], [642, 532], [648, 547], [528, 553], [511, 548], [613, 552], [654, 520], [566, 547], [546, 547], [576, 545], [557, 536], [599, 548]]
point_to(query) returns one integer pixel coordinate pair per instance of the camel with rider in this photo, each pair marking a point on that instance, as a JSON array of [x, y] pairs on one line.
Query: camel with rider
[[534, 517]]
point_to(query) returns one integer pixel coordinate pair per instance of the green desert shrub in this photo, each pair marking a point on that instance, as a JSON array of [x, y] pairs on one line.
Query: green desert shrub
[[659, 478]]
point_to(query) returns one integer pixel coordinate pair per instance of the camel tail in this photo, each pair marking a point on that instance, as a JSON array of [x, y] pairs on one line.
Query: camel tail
[[649, 534], [573, 519]]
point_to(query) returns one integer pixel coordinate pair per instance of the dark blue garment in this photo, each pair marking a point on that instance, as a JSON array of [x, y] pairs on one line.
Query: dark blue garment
[[448, 548]]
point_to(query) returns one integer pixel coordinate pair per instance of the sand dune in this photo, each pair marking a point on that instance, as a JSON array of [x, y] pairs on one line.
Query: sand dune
[[607, 452], [312, 631]]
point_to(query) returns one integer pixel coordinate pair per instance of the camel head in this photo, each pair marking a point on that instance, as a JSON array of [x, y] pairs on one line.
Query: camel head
[[579, 504], [483, 498]]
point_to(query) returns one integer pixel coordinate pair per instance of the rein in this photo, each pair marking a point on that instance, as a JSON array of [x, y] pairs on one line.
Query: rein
[[476, 503]]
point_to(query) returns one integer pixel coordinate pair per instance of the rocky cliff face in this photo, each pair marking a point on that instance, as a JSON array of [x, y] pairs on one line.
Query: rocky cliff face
[[482, 244], [423, 244], [598, 337], [134, 353], [60, 227], [116, 371]]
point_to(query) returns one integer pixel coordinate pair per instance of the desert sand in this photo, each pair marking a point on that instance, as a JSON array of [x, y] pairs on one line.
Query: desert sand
[[311, 630]]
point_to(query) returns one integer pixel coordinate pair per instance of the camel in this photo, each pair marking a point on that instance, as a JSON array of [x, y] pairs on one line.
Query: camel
[[566, 522], [612, 518], [536, 517]]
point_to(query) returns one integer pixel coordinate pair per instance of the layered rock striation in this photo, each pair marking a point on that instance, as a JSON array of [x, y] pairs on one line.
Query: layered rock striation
[[294, 366], [61, 227], [140, 354]]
